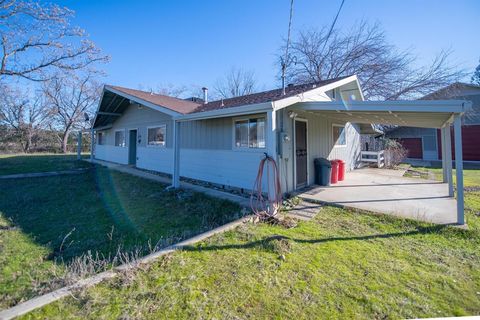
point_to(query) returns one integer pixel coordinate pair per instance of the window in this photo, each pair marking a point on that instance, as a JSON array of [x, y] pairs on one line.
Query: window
[[120, 138], [250, 133], [157, 136], [339, 135], [100, 138]]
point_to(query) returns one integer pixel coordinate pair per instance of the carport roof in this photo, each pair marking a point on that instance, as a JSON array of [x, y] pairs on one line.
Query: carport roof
[[415, 113]]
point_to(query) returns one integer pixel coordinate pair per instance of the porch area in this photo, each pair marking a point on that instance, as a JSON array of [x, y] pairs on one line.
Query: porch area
[[388, 192]]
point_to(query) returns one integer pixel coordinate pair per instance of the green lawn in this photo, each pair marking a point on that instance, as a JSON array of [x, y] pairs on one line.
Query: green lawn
[[342, 264], [471, 177], [25, 163], [49, 226]]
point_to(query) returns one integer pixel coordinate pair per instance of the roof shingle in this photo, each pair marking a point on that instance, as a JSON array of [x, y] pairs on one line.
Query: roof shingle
[[186, 107]]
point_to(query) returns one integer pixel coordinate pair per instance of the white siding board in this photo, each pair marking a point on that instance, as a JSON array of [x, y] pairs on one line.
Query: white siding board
[[155, 158], [111, 153]]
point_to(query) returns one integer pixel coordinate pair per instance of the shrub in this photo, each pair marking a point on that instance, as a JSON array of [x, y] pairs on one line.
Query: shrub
[[394, 154]]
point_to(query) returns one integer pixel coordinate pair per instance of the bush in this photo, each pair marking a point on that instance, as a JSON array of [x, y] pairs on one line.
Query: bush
[[394, 154]]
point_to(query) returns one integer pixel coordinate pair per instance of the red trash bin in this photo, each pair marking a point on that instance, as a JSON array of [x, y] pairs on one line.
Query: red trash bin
[[334, 177], [341, 170]]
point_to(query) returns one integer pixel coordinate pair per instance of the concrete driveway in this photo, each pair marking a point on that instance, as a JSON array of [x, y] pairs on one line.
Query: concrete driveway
[[387, 191]]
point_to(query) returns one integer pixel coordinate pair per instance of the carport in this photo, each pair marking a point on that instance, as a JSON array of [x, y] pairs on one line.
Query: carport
[[438, 114]]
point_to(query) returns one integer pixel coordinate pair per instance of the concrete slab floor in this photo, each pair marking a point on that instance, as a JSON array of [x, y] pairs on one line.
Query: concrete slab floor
[[386, 191]]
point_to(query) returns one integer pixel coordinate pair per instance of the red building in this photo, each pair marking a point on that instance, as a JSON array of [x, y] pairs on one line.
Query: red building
[[424, 143]]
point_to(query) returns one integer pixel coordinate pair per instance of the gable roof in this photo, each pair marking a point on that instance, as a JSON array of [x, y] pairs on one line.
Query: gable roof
[[115, 100], [264, 96], [463, 91], [450, 91], [174, 104]]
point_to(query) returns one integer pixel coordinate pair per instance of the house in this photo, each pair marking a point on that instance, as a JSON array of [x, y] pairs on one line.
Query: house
[[223, 141], [425, 143]]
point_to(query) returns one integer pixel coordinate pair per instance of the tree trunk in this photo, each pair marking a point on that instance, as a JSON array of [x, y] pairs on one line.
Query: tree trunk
[[28, 143], [65, 141]]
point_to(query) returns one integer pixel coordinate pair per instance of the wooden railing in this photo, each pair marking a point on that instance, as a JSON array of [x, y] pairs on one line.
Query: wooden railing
[[377, 157]]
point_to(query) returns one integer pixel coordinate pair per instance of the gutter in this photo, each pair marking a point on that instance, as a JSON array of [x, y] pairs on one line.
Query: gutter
[[227, 112]]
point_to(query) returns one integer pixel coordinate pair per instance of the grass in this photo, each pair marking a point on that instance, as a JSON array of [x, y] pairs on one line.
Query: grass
[[26, 163], [342, 264], [471, 177], [49, 224]]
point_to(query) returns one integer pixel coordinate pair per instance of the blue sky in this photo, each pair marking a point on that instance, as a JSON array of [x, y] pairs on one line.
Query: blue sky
[[192, 42]]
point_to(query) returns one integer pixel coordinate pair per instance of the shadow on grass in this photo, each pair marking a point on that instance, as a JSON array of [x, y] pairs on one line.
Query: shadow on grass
[[106, 212], [33, 163], [263, 242]]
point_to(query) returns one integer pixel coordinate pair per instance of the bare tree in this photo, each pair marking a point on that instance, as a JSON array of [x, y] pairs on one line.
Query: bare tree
[[385, 72], [476, 75], [237, 82], [36, 39], [69, 98], [26, 116]]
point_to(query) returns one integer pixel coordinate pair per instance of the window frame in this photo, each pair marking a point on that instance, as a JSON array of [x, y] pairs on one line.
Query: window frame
[[157, 145], [124, 138], [344, 126], [102, 140], [248, 148]]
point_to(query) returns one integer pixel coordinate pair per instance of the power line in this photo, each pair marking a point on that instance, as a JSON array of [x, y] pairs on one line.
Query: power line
[[332, 26], [284, 63]]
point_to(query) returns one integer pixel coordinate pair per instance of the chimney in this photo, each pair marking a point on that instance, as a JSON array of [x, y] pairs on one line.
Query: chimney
[[205, 95]]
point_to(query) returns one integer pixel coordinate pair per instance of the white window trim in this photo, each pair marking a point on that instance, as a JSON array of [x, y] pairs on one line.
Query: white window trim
[[124, 137], [248, 149], [158, 145], [344, 126]]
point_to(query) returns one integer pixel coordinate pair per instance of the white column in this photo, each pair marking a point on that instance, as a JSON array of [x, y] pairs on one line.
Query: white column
[[176, 154], [448, 157], [271, 134], [271, 144], [79, 145], [444, 158], [457, 126], [92, 143]]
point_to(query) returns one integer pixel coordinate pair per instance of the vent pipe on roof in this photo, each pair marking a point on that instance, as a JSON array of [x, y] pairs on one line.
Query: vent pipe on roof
[[205, 95]]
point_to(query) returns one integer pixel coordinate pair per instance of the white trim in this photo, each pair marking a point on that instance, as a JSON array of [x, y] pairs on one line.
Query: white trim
[[165, 138], [124, 138], [248, 118], [344, 126], [98, 107], [421, 106], [227, 112], [148, 104], [295, 152]]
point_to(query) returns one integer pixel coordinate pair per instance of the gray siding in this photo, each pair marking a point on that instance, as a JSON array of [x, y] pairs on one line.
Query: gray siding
[[320, 144], [207, 134], [140, 119]]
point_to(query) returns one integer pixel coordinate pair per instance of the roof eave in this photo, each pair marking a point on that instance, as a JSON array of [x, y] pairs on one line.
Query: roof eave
[[148, 104], [227, 112]]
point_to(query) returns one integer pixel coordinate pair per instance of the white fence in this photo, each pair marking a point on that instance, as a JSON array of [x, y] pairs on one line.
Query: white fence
[[377, 157]]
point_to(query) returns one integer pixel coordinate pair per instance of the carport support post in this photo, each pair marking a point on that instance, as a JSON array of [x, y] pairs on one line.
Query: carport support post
[[444, 158], [176, 155], [448, 157], [79, 145], [92, 143], [457, 127]]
